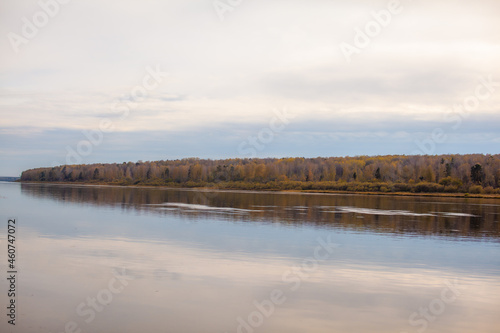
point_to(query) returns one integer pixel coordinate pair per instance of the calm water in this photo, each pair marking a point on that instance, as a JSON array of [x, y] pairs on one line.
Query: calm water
[[112, 259]]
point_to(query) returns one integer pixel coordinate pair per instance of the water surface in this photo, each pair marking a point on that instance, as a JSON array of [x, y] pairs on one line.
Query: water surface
[[168, 260]]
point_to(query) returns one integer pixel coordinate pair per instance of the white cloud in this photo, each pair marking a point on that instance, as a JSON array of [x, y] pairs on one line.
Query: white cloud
[[265, 55]]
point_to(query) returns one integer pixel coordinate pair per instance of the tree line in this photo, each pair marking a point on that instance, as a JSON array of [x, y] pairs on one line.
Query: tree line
[[474, 173]]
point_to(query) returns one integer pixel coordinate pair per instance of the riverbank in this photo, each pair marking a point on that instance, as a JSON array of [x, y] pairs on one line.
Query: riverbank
[[228, 187]]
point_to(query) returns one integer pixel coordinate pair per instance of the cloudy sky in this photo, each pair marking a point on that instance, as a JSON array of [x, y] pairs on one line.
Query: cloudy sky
[[113, 81]]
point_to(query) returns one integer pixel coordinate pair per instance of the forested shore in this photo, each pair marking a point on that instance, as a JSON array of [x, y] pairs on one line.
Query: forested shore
[[472, 173]]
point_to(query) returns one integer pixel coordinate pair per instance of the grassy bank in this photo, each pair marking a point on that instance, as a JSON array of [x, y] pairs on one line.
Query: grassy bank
[[398, 189]]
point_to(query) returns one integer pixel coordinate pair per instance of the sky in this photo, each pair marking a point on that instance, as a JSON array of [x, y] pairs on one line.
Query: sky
[[115, 81]]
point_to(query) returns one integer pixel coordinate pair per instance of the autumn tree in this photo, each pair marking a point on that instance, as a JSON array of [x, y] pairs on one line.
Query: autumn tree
[[455, 172]]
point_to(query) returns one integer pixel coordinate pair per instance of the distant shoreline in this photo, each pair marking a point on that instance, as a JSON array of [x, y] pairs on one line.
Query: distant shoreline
[[274, 190], [472, 175], [9, 179]]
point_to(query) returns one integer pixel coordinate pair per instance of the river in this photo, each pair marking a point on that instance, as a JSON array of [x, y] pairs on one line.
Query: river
[[121, 259]]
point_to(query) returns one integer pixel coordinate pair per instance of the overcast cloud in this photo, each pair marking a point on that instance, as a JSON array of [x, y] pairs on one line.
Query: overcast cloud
[[226, 79]]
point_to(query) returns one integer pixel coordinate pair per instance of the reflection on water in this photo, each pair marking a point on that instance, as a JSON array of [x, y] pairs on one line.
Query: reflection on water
[[474, 218], [209, 262]]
